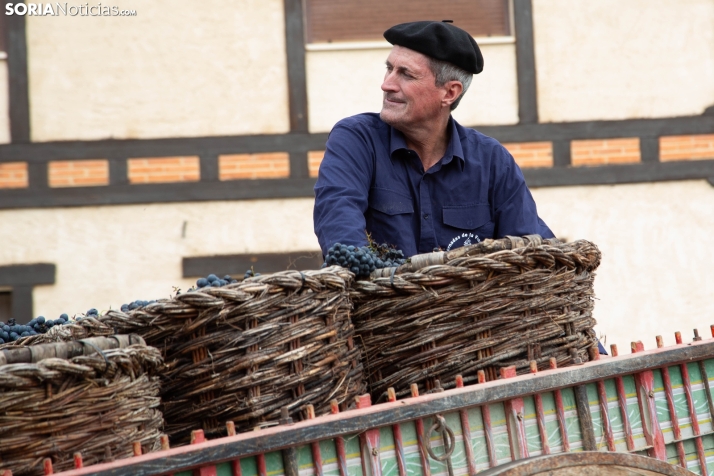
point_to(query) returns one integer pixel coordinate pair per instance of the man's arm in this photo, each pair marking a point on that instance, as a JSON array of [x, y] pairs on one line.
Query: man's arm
[[342, 189], [515, 211]]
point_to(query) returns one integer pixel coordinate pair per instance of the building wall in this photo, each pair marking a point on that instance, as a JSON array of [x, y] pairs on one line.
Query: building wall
[[174, 70], [213, 79], [344, 82], [655, 277], [4, 106], [611, 59]]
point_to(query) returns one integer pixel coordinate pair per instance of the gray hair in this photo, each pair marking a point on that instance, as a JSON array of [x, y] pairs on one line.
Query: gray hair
[[445, 72]]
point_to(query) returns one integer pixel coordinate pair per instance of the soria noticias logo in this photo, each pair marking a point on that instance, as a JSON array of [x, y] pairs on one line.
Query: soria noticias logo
[[65, 9]]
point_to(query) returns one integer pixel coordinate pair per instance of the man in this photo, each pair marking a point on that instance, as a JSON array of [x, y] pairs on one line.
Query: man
[[412, 176]]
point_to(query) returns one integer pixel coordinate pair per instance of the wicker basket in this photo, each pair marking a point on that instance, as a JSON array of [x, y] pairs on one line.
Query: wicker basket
[[98, 405], [482, 307], [75, 330], [243, 351]]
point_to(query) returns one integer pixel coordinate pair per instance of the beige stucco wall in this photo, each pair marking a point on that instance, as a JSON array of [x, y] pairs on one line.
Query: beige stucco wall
[[342, 83], [657, 276], [4, 106], [179, 68], [107, 256], [610, 59]]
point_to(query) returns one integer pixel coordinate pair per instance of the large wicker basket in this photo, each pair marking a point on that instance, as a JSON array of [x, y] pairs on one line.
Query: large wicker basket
[[73, 331], [481, 307], [244, 351], [97, 405]]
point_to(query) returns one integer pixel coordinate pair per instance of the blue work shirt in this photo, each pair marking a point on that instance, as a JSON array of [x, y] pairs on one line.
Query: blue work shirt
[[371, 181]]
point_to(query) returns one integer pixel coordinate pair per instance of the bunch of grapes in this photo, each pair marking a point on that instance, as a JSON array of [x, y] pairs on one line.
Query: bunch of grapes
[[250, 274], [134, 305], [12, 331], [214, 281], [390, 256], [363, 260]]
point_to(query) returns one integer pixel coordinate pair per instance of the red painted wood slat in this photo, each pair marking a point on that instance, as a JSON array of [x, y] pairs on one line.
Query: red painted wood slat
[[644, 382], [369, 444], [398, 442], [605, 416], [686, 383], [339, 443], [419, 425], [515, 421]]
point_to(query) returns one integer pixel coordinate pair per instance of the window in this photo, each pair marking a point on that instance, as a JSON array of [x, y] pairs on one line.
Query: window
[[330, 21]]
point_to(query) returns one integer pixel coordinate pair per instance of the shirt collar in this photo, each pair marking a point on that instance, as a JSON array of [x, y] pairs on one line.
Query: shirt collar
[[453, 149]]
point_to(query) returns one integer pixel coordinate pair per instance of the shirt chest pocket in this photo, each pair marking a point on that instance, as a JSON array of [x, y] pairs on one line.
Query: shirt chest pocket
[[390, 202], [390, 219], [475, 218]]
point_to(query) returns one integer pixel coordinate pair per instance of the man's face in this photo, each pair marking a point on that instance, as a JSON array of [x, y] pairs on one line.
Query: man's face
[[411, 97]]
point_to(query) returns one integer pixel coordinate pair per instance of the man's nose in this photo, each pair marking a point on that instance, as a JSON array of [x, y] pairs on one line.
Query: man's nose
[[389, 85]]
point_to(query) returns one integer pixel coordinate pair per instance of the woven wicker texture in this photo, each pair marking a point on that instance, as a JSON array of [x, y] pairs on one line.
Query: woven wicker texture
[[87, 327], [490, 305], [97, 405], [241, 352]]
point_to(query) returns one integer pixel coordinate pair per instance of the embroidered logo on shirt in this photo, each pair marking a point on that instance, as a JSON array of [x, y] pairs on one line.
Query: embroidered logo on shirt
[[464, 239]]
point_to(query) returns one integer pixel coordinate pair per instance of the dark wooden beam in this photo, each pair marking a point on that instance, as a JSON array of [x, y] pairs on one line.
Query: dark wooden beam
[[560, 175], [649, 149], [37, 176], [27, 274], [128, 148], [19, 104], [525, 62], [237, 265], [3, 29], [553, 131], [619, 174], [22, 305], [118, 171], [209, 168], [297, 78], [561, 153], [157, 193], [303, 142], [298, 165]]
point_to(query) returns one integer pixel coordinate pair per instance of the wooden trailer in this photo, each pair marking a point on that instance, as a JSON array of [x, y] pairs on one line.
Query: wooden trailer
[[649, 410]]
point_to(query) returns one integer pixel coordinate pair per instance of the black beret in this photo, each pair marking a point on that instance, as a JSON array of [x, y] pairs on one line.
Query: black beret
[[439, 40]]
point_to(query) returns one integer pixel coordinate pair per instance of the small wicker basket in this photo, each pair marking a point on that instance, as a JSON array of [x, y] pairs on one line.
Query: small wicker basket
[[482, 307], [242, 352], [97, 405]]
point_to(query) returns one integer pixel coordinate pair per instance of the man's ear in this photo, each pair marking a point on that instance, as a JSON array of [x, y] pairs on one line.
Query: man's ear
[[453, 91]]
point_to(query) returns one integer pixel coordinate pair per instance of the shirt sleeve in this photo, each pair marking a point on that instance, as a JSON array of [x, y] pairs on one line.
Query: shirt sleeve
[[342, 188], [515, 210]]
